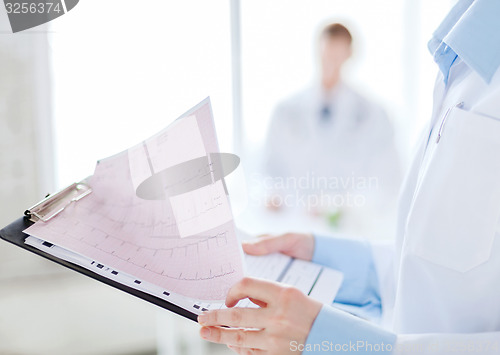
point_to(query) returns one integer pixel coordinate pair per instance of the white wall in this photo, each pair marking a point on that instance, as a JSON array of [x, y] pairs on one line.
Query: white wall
[[26, 151]]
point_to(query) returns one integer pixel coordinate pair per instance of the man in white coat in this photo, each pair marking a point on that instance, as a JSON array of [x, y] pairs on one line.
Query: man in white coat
[[438, 288], [330, 131]]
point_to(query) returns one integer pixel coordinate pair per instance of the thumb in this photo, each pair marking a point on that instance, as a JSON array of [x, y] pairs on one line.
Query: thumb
[[265, 245]]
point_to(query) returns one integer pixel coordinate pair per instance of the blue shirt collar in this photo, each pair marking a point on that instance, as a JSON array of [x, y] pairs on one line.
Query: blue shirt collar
[[471, 32]]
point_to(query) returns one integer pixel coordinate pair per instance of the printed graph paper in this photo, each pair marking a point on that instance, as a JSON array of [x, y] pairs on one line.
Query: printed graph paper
[[184, 239]]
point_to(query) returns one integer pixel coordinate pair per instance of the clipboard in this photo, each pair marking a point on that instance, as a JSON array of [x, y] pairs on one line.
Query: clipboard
[[50, 207]]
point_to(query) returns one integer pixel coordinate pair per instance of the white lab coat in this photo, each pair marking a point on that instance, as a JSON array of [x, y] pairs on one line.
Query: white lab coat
[[441, 287], [356, 141]]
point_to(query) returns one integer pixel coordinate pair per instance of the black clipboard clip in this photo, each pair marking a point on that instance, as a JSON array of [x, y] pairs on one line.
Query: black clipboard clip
[[54, 204]]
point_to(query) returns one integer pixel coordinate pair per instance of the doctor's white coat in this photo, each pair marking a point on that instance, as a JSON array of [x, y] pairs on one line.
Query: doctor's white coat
[[440, 287]]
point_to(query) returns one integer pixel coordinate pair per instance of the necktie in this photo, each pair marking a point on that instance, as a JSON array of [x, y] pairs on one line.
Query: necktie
[[325, 113]]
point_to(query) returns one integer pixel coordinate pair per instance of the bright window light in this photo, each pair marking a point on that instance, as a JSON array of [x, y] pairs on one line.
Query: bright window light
[[125, 69]]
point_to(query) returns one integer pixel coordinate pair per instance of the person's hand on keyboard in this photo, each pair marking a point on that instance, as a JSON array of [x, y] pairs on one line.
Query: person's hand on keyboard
[[297, 245]]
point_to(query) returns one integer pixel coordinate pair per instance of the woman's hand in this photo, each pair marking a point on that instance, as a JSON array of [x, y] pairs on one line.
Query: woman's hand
[[297, 245], [286, 315]]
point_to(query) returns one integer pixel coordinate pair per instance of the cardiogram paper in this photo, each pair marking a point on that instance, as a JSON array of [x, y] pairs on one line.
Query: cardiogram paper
[[184, 242]]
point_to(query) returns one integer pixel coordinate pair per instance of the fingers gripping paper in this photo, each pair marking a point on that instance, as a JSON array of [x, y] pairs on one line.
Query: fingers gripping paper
[[159, 212]]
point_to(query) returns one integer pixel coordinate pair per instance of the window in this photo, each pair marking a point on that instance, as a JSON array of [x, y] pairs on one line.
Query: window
[[125, 69]]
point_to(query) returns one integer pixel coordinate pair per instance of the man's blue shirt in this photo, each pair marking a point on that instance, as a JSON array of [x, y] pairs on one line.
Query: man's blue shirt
[[470, 32]]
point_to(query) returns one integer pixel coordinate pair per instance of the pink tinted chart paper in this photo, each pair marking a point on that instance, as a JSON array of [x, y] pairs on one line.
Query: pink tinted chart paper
[[185, 243]]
